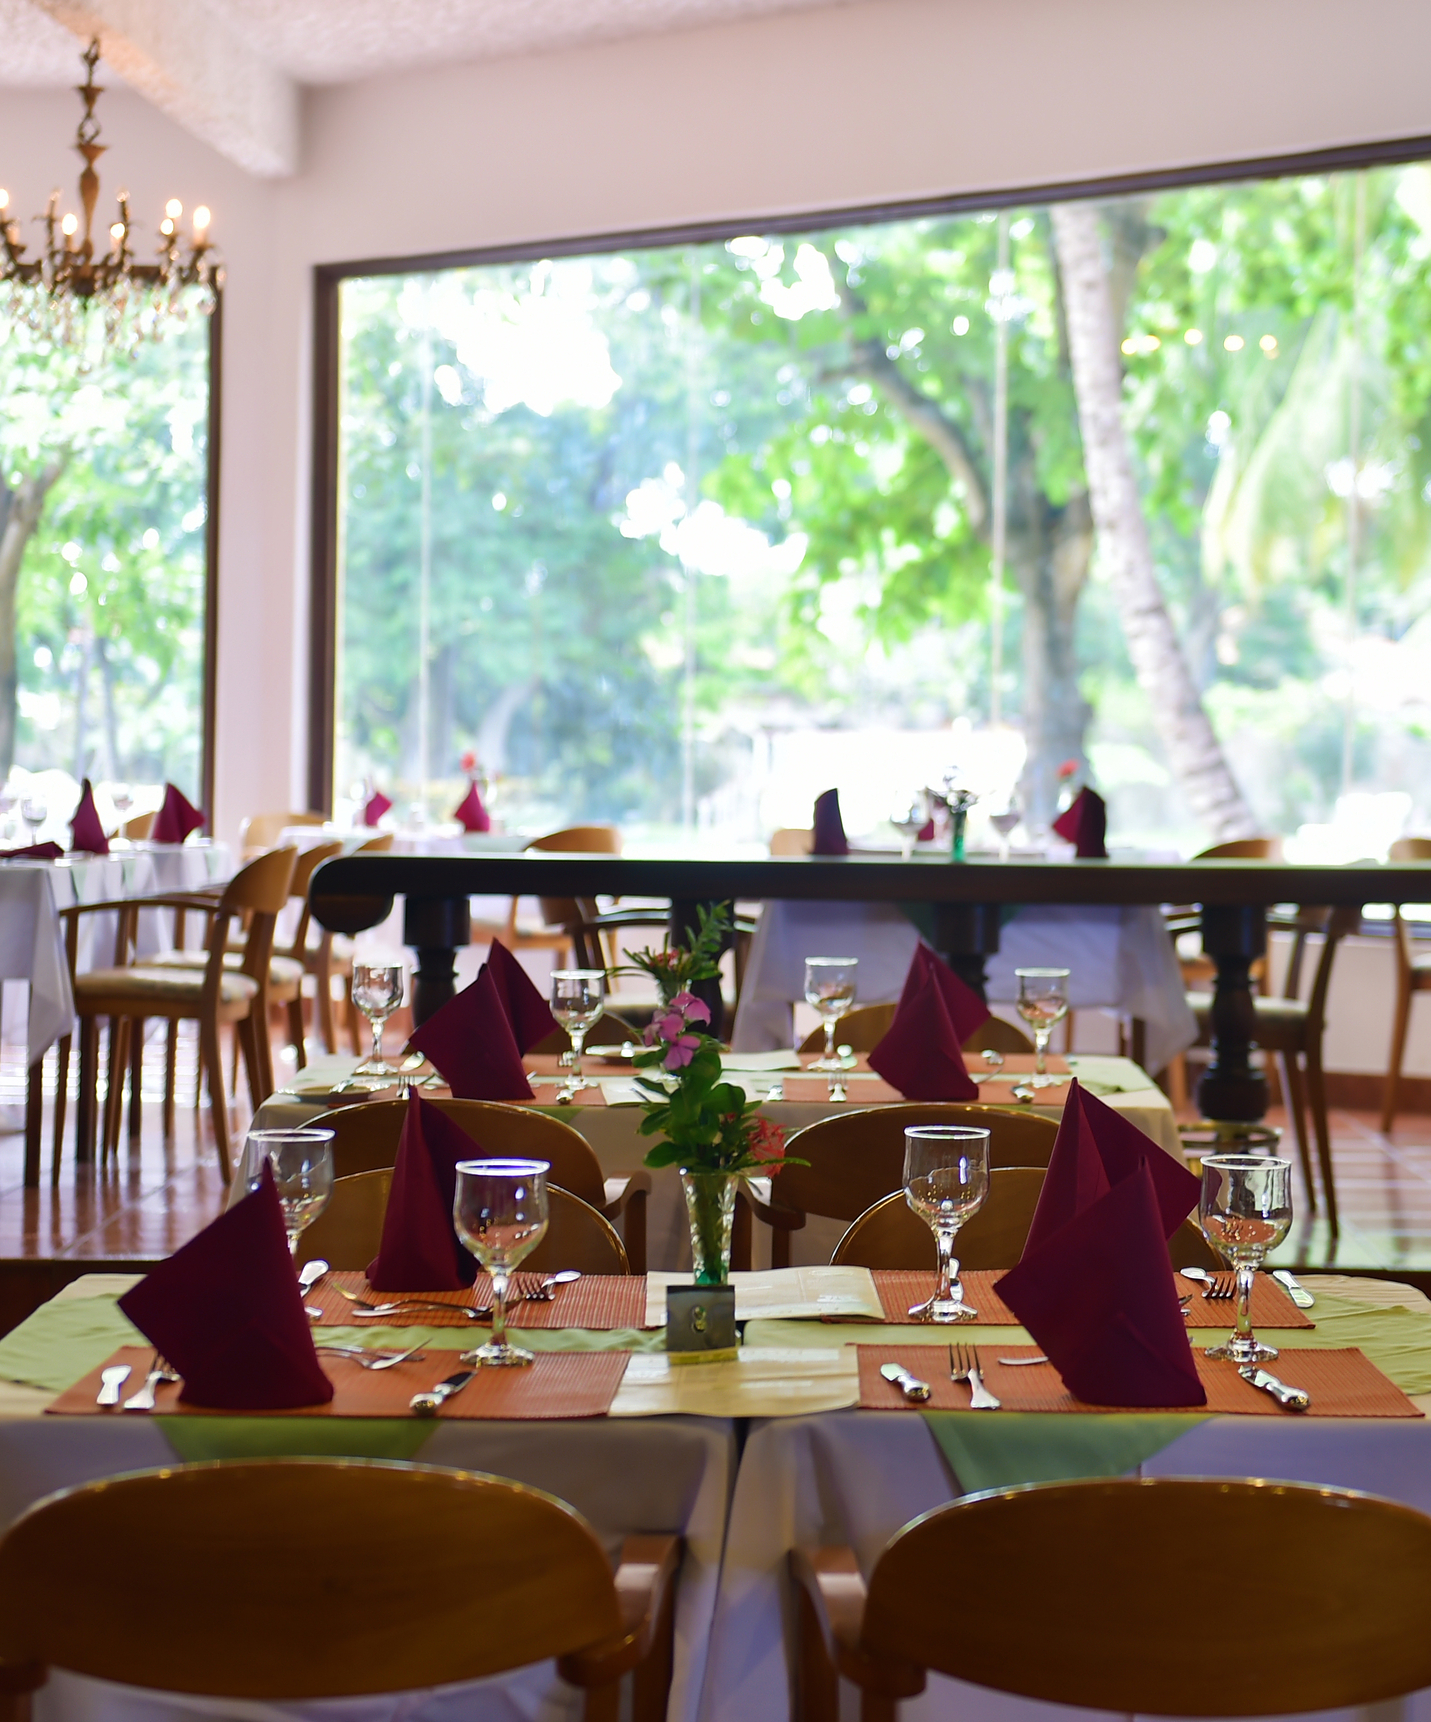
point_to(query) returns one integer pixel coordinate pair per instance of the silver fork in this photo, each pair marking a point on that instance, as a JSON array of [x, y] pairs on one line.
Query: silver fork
[[964, 1366], [144, 1399], [366, 1359], [1221, 1285]]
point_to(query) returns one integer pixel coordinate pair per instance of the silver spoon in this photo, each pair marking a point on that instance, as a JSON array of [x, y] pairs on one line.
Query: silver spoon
[[310, 1274], [112, 1379], [1020, 1362], [1198, 1276]]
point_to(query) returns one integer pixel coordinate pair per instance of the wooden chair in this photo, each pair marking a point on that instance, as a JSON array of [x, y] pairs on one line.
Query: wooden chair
[[349, 1231], [1292, 1029], [857, 1157], [358, 1576], [366, 1136], [891, 1235], [867, 1025], [1343, 1626], [608, 1030], [558, 913], [332, 958], [136, 830], [996, 1034], [261, 831], [792, 840], [212, 996], [1413, 975]]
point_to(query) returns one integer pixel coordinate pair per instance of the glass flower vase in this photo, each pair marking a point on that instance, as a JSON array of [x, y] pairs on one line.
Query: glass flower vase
[[710, 1209]]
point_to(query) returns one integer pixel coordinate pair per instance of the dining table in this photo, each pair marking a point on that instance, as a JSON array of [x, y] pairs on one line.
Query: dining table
[[963, 904]]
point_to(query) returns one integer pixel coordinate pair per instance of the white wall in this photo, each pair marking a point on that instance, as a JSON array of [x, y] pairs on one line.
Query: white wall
[[885, 100]]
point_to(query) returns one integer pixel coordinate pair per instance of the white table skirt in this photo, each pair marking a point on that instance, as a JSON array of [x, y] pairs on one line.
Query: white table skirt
[[1121, 959]]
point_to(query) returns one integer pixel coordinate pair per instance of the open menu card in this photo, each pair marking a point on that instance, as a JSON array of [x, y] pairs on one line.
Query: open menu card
[[783, 1294]]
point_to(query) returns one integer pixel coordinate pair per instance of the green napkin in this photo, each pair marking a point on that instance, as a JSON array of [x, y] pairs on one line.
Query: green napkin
[[61, 1342], [997, 1449], [1396, 1339], [197, 1438]]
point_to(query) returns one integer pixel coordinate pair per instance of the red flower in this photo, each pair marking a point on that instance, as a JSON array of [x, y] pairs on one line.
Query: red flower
[[1069, 768], [766, 1141], [469, 760]]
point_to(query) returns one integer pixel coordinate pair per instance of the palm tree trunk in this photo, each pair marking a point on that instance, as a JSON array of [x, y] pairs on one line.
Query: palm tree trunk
[[20, 510], [1193, 750]]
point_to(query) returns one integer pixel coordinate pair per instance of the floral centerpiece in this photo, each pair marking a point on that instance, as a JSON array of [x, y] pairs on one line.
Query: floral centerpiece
[[707, 1127]]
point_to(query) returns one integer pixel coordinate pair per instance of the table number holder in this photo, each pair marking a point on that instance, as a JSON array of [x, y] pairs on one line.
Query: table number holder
[[700, 1324]]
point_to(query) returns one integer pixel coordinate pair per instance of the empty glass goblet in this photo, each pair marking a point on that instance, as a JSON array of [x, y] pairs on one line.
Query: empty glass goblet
[[34, 811], [1245, 1211], [1004, 823], [830, 991], [578, 998], [377, 992], [302, 1162], [1042, 1002], [909, 825], [500, 1211], [946, 1181]]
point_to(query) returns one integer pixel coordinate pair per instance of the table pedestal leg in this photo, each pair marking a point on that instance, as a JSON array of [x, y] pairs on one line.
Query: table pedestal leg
[[1234, 936], [965, 935], [685, 922], [435, 927]]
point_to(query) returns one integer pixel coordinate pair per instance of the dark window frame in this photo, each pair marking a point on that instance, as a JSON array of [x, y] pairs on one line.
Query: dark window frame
[[209, 694]]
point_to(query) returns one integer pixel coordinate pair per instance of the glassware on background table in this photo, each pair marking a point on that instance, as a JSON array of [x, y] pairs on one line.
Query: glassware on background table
[[1245, 1211], [34, 811], [830, 992], [909, 826], [1004, 824], [8, 799], [500, 1211], [578, 999], [1042, 1002], [122, 799], [377, 992], [302, 1162], [946, 1181]]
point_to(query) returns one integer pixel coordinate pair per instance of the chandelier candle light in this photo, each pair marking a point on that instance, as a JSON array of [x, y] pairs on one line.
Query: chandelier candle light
[[55, 293]]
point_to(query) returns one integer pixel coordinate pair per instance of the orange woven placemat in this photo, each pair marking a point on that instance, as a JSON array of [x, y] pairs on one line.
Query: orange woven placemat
[[601, 1301], [1344, 1383], [900, 1290], [559, 1384]]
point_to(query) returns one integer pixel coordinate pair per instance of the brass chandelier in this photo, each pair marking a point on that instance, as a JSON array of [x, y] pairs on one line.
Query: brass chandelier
[[74, 296]]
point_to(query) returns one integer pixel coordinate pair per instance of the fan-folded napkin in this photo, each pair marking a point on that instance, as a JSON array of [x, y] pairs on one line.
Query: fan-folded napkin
[[86, 833], [470, 1041], [176, 818], [419, 1249], [828, 835], [1085, 825], [470, 813], [920, 1054]]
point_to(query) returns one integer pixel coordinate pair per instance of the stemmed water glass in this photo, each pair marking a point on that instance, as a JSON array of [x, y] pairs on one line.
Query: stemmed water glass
[[1042, 1002], [302, 1162], [7, 803], [946, 1181], [829, 992], [578, 999], [909, 826], [1245, 1211], [34, 811], [1004, 823], [500, 1211], [377, 992]]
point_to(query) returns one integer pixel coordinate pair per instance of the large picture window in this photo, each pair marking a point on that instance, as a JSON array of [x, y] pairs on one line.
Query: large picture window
[[679, 536]]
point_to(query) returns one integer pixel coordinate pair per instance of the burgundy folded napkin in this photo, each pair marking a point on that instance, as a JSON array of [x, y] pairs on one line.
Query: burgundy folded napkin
[[527, 1011], [967, 1011], [1099, 1300], [419, 1249], [175, 819], [1095, 1149], [926, 832], [470, 812], [375, 807], [86, 833], [1085, 825], [225, 1311], [828, 836], [33, 852], [471, 1042], [920, 1054]]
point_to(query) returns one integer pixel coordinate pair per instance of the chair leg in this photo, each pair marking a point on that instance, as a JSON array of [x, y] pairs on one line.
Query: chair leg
[[633, 1231], [323, 1000], [171, 1062], [1317, 1093], [34, 1120], [817, 1685], [740, 1235], [779, 1247], [87, 1101], [1296, 1098], [62, 1088], [246, 1037], [213, 1063], [136, 1080], [296, 1036], [1398, 1052], [114, 1096], [355, 1039]]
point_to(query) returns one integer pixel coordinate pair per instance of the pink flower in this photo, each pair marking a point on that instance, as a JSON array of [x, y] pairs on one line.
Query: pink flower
[[681, 1051], [692, 1008], [670, 1026]]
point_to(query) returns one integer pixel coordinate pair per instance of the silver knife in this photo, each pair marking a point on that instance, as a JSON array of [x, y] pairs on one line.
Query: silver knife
[[1295, 1290], [913, 1389], [426, 1404], [1294, 1398]]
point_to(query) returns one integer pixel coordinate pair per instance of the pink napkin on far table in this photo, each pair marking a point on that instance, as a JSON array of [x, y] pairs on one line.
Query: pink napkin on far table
[[920, 1054], [375, 807], [828, 836], [225, 1311], [86, 833], [1085, 825], [33, 852], [472, 1045], [419, 1249], [470, 813], [175, 819], [1098, 1298], [527, 1011]]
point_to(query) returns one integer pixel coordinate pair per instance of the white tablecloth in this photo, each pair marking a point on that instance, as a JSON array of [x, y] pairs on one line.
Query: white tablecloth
[[1121, 959]]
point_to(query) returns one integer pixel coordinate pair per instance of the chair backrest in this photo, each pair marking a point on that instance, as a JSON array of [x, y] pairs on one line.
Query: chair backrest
[[138, 828], [304, 867], [315, 1547], [995, 1034], [891, 1235], [576, 1237], [1406, 849], [608, 1030], [1243, 849], [262, 831], [1344, 1625], [258, 891], [857, 1157], [1332, 925], [380, 844], [366, 1136], [861, 1029], [575, 840], [792, 840]]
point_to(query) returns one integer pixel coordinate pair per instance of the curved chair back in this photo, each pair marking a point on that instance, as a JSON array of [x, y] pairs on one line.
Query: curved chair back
[[262, 831], [576, 1237], [366, 1136], [138, 828], [608, 1030], [891, 1235], [861, 1029], [792, 840], [1343, 1626], [379, 844], [995, 1034], [1243, 849], [575, 840]]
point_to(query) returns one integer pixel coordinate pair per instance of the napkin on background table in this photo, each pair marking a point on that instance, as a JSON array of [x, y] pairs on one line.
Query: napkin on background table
[[225, 1311], [33, 852], [828, 836], [175, 819], [375, 807], [86, 833], [920, 1054], [527, 1011], [1085, 825], [470, 813], [419, 1249], [1099, 1300], [471, 1043]]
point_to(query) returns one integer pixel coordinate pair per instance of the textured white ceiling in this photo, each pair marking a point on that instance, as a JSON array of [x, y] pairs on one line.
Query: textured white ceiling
[[335, 41]]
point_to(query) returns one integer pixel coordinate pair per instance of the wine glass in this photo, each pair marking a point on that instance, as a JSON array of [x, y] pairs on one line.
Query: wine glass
[[830, 991], [1042, 1002], [377, 992], [909, 826], [34, 811], [1245, 1211], [578, 998], [946, 1181], [7, 805], [302, 1162], [1004, 823], [500, 1211]]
